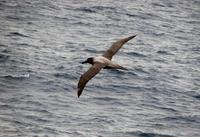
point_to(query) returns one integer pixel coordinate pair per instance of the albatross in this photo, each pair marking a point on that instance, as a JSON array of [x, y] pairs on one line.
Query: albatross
[[101, 62]]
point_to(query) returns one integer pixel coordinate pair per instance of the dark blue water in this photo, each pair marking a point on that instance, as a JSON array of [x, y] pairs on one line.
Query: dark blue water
[[42, 43]]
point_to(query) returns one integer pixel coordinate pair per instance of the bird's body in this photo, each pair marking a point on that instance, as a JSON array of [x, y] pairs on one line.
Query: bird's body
[[101, 59], [108, 63], [101, 62]]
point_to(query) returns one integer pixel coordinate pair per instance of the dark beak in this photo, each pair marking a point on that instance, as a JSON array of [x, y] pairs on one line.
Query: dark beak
[[83, 62]]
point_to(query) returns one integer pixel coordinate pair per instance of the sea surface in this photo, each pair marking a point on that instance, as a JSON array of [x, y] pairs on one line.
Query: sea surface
[[42, 43]]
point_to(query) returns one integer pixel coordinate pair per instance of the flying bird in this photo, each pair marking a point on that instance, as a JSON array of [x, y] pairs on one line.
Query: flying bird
[[101, 62]]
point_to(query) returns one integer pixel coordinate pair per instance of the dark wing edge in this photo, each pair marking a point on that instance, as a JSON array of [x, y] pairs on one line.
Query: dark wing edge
[[92, 71], [116, 46]]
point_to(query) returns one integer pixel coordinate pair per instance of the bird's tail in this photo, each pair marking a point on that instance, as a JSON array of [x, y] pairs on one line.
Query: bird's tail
[[123, 68]]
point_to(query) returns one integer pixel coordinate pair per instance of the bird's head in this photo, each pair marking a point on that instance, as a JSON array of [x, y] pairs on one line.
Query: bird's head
[[89, 60]]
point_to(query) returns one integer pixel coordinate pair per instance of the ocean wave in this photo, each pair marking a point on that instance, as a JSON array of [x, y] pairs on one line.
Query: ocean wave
[[13, 18], [4, 57], [86, 9], [42, 43], [140, 134], [183, 119], [158, 5], [110, 99], [163, 52], [64, 75], [149, 134], [37, 118], [95, 9], [17, 34], [17, 76], [136, 54], [197, 97]]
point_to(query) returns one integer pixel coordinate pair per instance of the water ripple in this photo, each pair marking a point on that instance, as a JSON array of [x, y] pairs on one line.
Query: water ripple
[[42, 43]]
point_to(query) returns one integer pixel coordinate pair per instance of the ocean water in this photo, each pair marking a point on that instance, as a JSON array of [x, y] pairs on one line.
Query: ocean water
[[42, 43]]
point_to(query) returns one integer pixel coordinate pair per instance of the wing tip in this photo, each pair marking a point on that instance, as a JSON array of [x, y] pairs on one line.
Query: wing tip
[[133, 36], [79, 93]]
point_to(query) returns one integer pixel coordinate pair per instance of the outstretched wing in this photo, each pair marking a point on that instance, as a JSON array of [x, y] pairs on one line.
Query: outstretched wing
[[93, 70], [116, 46]]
